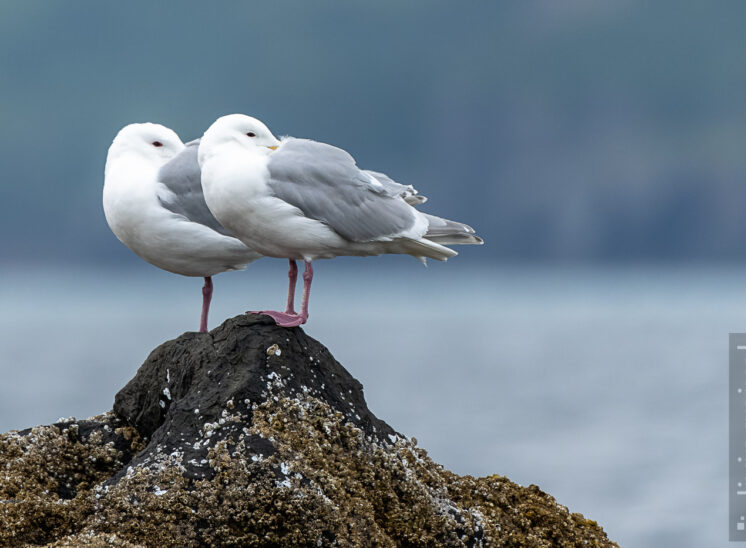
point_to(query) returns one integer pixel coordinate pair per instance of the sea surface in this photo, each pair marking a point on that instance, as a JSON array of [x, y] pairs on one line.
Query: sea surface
[[605, 387]]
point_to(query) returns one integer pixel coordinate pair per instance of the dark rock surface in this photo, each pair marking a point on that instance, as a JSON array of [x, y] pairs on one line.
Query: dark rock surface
[[201, 378], [255, 435]]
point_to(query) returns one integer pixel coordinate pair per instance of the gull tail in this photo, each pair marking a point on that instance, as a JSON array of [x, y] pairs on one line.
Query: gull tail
[[425, 248], [446, 232]]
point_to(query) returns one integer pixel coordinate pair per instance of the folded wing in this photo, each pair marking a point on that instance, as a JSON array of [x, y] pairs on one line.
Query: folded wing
[[325, 184], [180, 189], [408, 192]]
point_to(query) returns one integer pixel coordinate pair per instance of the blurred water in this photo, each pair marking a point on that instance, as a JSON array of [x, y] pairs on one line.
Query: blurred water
[[607, 388]]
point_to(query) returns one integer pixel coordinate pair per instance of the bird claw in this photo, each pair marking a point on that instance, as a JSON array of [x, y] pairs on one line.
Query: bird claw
[[284, 319]]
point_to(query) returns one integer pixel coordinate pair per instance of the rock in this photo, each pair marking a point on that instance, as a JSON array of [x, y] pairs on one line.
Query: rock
[[254, 435]]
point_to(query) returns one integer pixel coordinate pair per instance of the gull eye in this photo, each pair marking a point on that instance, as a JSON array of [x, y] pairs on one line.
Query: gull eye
[[157, 144], [251, 134]]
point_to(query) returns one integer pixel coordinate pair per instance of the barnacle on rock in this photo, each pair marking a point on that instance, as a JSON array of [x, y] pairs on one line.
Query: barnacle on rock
[[281, 452]]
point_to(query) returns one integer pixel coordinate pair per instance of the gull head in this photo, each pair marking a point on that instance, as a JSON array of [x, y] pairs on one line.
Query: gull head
[[238, 132], [151, 144]]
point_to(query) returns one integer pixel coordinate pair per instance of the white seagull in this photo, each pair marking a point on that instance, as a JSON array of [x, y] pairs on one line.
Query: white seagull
[[303, 200], [154, 204]]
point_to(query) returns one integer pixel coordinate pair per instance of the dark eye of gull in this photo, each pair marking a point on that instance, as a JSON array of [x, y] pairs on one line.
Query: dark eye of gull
[[251, 134], [157, 144]]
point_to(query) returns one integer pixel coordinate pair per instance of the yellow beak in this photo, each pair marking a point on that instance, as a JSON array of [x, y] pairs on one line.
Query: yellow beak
[[273, 147]]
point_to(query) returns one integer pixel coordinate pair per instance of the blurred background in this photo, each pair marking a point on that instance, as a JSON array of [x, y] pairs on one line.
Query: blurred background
[[597, 147]]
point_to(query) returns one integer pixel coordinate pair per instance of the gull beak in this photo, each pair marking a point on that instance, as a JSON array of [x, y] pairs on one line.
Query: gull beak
[[273, 147]]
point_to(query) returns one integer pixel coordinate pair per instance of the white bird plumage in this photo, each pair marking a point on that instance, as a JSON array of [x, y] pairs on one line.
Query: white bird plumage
[[168, 225], [304, 200]]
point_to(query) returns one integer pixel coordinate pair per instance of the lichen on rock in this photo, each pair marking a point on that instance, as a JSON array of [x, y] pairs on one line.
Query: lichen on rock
[[219, 441]]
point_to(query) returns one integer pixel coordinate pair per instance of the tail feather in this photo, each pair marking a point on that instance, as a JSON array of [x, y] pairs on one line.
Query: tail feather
[[426, 248], [456, 239], [445, 231]]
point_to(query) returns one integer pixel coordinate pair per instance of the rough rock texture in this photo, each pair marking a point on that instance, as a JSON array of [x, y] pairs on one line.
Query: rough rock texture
[[253, 435]]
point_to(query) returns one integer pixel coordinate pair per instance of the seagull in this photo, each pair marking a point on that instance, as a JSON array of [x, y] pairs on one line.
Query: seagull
[[304, 200], [154, 204]]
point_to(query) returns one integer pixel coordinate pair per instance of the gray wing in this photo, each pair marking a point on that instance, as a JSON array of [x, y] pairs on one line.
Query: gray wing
[[325, 184], [183, 189], [408, 192]]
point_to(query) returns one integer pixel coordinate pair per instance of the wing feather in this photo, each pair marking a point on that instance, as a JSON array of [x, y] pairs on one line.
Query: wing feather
[[181, 191], [407, 192], [325, 184]]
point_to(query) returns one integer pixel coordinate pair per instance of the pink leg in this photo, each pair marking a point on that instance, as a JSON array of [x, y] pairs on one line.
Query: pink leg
[[285, 319], [292, 278], [206, 298], [307, 279]]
